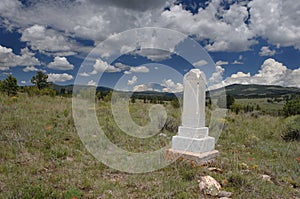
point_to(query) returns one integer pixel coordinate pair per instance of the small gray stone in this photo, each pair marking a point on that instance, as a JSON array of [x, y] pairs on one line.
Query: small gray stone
[[266, 178], [162, 135], [225, 194]]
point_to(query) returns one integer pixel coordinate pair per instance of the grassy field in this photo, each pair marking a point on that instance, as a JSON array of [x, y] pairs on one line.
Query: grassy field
[[41, 156]]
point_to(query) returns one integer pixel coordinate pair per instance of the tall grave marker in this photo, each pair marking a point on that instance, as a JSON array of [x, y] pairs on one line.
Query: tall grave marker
[[192, 141]]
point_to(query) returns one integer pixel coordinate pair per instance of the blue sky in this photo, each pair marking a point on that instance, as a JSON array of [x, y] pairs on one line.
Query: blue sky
[[250, 42]]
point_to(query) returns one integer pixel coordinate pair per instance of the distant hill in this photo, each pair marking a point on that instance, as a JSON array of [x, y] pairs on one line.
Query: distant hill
[[258, 91], [236, 90]]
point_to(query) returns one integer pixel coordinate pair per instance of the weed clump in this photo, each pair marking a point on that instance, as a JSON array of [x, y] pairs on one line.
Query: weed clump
[[171, 125], [237, 180], [291, 131]]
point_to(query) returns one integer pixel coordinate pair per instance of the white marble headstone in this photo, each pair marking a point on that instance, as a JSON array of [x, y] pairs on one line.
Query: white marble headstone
[[193, 135]]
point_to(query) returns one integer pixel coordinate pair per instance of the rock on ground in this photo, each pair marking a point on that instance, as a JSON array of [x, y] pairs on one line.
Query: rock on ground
[[225, 194], [209, 186]]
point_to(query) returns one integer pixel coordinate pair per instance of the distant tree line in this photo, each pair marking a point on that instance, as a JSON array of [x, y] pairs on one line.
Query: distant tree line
[[248, 108], [10, 86], [257, 96], [144, 98], [292, 107]]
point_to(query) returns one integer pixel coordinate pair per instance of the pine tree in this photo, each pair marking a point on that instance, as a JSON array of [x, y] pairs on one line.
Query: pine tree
[[40, 80], [10, 85]]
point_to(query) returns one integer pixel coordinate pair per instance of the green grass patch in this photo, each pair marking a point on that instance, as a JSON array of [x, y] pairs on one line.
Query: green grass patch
[[41, 155]]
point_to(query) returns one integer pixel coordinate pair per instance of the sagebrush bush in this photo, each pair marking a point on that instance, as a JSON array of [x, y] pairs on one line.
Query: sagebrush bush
[[291, 130], [171, 125], [292, 107]]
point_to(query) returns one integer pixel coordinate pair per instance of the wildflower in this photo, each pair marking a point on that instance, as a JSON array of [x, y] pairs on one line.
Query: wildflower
[[48, 127], [14, 98], [255, 167]]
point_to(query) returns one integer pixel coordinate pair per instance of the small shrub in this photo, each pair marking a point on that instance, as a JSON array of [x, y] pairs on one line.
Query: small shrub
[[48, 91], [292, 107], [291, 131], [291, 135], [236, 180], [175, 103], [171, 125], [188, 174]]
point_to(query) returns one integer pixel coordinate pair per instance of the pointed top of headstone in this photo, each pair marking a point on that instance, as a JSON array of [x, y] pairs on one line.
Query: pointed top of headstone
[[196, 74], [193, 114]]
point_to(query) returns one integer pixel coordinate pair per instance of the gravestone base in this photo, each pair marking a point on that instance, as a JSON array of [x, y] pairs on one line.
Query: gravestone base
[[192, 132], [197, 158], [191, 144]]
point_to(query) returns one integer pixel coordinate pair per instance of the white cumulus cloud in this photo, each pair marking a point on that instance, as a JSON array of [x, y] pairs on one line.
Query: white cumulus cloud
[[53, 77], [142, 87], [47, 40], [235, 28], [271, 72], [236, 62], [221, 63], [277, 21], [92, 83], [240, 74], [200, 63], [172, 87], [266, 51], [9, 59], [133, 80], [217, 76], [102, 66], [32, 69], [60, 63], [139, 69]]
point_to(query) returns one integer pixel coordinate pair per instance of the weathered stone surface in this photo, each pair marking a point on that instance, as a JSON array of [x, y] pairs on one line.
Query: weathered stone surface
[[193, 132], [192, 144], [193, 135], [197, 158], [225, 194], [209, 186], [193, 114], [266, 178]]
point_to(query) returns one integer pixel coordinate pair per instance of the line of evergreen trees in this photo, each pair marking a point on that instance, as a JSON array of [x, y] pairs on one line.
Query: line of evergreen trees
[[292, 107], [42, 86]]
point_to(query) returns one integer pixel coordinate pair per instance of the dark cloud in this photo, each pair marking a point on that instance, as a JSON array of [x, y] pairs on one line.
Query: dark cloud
[[141, 5]]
